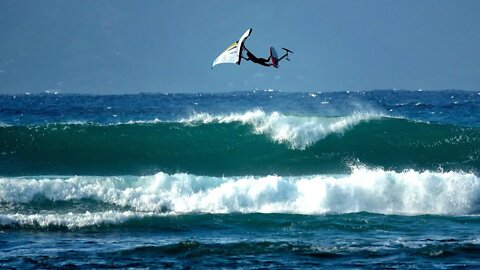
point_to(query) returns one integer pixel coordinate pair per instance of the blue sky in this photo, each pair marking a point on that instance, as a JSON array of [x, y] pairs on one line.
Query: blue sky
[[110, 47]]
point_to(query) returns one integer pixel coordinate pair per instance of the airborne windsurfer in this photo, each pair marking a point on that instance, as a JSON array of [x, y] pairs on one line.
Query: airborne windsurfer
[[257, 60], [234, 54]]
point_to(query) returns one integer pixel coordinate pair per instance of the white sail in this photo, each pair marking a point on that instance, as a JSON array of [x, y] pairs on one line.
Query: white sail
[[232, 54]]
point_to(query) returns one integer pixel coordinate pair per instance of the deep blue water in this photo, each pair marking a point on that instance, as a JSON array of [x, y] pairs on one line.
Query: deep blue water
[[375, 179]]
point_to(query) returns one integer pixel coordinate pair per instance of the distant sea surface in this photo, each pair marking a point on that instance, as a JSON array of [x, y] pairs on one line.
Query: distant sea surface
[[255, 179]]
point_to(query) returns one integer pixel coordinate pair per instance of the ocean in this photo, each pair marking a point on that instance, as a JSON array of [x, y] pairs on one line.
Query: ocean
[[251, 179]]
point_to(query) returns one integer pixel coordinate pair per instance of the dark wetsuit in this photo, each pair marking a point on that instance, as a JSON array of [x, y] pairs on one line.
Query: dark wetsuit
[[253, 58]]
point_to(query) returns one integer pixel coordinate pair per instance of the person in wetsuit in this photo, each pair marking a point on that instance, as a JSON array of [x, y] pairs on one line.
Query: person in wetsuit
[[257, 60]]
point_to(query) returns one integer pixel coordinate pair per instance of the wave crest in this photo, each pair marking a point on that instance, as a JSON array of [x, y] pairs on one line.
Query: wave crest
[[298, 131]]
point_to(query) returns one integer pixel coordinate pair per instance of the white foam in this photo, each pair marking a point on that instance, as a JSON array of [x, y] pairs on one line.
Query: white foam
[[298, 131], [70, 220], [375, 191], [130, 122]]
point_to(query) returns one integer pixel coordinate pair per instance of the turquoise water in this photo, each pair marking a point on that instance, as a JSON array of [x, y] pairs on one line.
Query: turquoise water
[[376, 179]]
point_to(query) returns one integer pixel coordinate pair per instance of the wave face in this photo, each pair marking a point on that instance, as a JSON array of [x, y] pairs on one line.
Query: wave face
[[85, 201], [252, 143]]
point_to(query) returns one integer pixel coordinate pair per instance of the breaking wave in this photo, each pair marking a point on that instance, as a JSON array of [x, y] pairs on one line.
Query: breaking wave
[[128, 197], [299, 132], [252, 143]]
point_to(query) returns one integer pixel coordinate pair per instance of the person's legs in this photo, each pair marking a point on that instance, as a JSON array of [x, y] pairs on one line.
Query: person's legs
[[261, 61]]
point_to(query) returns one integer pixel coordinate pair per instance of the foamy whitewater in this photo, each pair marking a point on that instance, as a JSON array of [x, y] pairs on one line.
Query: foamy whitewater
[[256, 179], [374, 191]]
